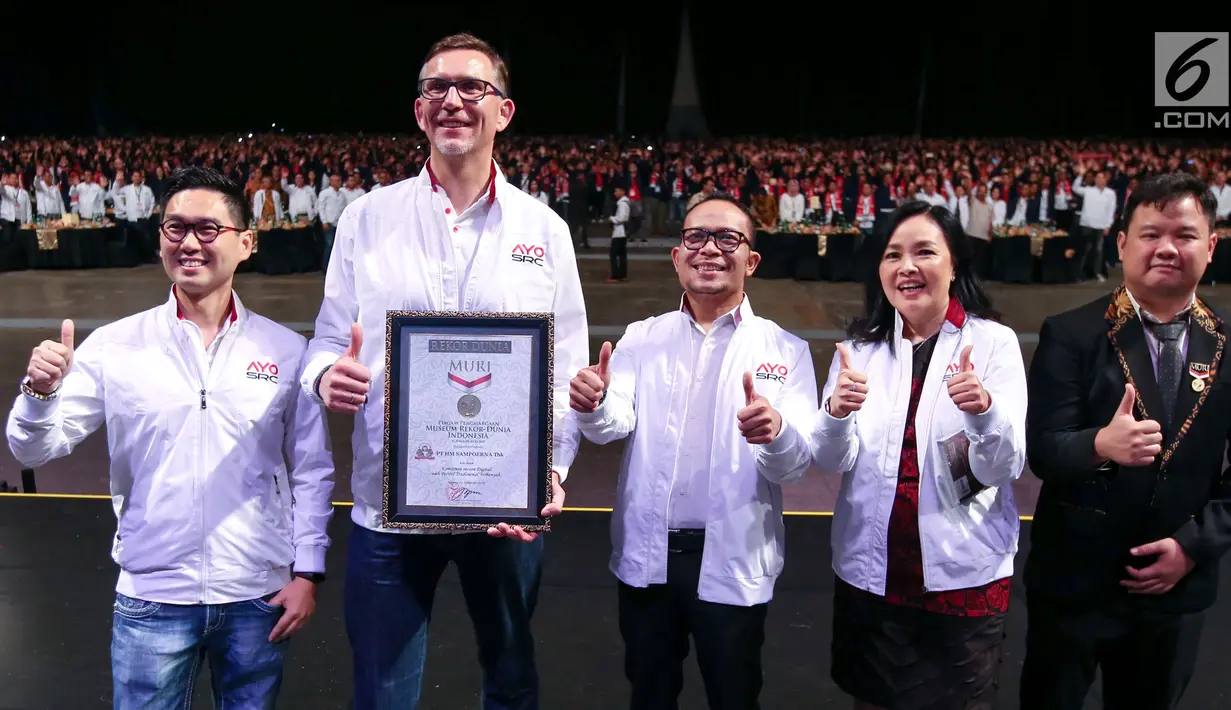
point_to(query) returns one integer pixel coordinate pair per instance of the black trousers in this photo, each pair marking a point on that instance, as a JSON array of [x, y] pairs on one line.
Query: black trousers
[[1147, 662], [619, 257], [656, 622]]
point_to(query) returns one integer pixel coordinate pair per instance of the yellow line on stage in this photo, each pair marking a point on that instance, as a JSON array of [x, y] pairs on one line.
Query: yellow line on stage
[[83, 496]]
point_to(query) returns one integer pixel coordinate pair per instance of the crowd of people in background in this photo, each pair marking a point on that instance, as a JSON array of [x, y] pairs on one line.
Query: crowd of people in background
[[859, 181]]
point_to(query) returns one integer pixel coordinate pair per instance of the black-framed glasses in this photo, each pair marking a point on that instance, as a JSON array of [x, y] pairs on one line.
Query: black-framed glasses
[[727, 240], [206, 230], [472, 90]]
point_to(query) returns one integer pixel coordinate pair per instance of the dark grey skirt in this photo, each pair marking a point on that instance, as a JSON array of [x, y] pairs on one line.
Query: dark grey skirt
[[901, 658]]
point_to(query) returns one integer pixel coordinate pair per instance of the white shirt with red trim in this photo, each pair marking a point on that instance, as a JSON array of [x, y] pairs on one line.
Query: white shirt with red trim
[[396, 249]]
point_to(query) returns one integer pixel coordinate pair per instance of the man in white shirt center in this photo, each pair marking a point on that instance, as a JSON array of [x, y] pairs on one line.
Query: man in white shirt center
[[716, 403], [1098, 213], [329, 205], [446, 240], [220, 468]]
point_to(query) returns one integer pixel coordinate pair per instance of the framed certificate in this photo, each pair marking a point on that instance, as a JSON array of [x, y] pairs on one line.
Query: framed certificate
[[468, 419]]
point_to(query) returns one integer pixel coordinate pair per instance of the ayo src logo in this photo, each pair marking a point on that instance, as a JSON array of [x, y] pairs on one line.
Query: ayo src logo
[[528, 254], [771, 372], [267, 371], [1191, 71]]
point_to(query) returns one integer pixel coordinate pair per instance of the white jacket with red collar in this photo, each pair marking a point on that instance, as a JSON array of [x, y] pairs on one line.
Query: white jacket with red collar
[[208, 511], [963, 544]]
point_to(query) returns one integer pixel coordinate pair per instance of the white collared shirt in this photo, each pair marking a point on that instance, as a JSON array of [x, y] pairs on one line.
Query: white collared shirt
[[395, 250], [656, 401], [139, 201], [1019, 213], [301, 201], [329, 205], [49, 198], [90, 197], [119, 201], [791, 208], [960, 206], [620, 218], [999, 207], [8, 203], [1098, 206], [349, 195], [1222, 197], [688, 506], [465, 231]]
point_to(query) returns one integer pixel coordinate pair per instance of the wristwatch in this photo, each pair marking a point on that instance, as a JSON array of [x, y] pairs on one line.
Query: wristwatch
[[27, 390], [313, 577]]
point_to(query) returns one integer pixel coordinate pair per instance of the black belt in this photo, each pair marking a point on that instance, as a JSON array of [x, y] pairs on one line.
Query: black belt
[[685, 539]]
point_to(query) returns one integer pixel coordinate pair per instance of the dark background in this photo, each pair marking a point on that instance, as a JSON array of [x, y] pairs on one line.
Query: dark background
[[782, 68]]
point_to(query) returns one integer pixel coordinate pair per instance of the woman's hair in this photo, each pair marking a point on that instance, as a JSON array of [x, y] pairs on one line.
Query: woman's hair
[[877, 323]]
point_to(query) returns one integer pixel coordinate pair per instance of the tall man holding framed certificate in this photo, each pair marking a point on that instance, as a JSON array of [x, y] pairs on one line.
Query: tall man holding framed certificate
[[452, 317]]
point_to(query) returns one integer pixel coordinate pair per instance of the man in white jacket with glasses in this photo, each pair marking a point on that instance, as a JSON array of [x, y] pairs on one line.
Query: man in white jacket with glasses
[[717, 404], [221, 472]]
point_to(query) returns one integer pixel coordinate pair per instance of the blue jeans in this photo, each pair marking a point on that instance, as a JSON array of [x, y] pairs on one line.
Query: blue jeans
[[157, 650], [390, 584]]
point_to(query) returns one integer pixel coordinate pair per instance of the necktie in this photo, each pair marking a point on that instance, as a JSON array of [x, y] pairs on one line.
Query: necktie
[[1170, 362]]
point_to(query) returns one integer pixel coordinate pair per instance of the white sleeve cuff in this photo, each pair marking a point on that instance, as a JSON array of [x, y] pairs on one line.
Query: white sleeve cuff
[[833, 427], [310, 559], [983, 424], [782, 442], [595, 418], [35, 411], [313, 370]]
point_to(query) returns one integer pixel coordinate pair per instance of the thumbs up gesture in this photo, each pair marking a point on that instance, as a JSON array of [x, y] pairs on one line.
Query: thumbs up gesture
[[852, 388], [1127, 441], [759, 422], [965, 388], [587, 388], [50, 361], [345, 384]]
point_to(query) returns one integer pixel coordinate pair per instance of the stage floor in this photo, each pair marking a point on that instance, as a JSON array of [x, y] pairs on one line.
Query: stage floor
[[35, 302], [56, 590]]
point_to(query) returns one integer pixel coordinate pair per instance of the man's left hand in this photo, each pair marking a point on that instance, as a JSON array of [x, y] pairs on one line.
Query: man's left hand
[[1170, 567], [759, 422], [555, 507], [298, 602]]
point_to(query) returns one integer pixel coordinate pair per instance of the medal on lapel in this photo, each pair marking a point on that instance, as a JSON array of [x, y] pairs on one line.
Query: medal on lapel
[[1200, 373]]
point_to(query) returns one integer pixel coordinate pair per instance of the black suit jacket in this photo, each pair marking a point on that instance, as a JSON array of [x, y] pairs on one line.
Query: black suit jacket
[[1088, 517]]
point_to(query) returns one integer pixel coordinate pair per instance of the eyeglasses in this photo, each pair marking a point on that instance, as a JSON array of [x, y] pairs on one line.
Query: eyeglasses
[[472, 90], [206, 230], [727, 240]]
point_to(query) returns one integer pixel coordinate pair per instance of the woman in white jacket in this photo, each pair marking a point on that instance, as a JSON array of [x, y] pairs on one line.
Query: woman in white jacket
[[924, 417]]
